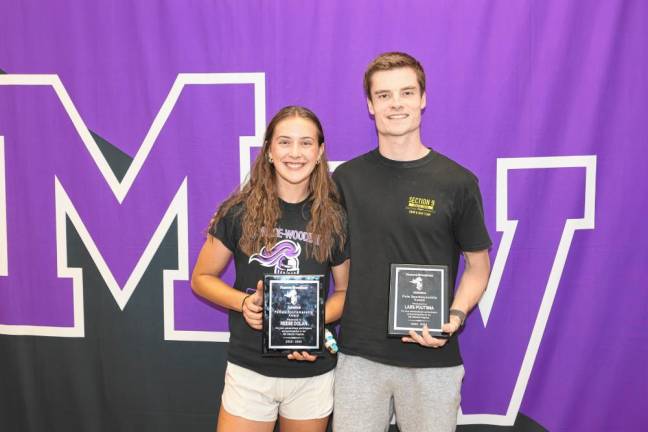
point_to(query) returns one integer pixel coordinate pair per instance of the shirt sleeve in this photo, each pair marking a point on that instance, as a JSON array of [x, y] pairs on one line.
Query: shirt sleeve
[[225, 230], [339, 255], [469, 227], [338, 184]]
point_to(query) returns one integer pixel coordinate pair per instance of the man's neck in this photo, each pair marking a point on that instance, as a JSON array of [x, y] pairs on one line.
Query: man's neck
[[402, 148]]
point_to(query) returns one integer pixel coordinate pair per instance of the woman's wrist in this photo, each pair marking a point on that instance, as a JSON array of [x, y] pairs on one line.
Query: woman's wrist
[[243, 301]]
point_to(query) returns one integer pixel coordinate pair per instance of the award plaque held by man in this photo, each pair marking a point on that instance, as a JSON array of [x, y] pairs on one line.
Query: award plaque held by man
[[418, 296]]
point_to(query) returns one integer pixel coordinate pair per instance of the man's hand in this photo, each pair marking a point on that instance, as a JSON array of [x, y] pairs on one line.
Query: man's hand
[[252, 308], [427, 340]]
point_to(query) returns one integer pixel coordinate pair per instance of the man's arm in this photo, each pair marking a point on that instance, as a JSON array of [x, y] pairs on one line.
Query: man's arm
[[472, 285]]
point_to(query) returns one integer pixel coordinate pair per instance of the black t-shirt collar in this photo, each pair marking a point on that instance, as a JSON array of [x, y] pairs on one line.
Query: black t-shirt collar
[[298, 207], [403, 164]]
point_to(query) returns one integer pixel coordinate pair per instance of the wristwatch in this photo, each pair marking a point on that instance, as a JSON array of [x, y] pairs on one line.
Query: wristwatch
[[459, 314]]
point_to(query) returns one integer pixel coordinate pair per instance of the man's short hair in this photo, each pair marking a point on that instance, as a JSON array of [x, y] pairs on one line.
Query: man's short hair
[[393, 60]]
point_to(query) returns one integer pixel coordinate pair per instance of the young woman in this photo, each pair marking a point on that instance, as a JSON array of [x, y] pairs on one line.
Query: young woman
[[285, 219]]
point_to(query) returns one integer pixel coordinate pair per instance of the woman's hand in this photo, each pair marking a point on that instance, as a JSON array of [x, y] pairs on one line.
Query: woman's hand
[[252, 308]]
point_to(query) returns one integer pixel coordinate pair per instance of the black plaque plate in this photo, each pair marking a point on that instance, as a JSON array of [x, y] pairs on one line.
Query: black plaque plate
[[293, 314], [418, 295]]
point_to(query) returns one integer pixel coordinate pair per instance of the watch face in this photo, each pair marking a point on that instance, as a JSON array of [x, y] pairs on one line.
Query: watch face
[[459, 314]]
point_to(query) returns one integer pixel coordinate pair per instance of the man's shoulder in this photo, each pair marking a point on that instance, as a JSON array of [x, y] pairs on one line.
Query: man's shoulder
[[351, 166], [454, 169]]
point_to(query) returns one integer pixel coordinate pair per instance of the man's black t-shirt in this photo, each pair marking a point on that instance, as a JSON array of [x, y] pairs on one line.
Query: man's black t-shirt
[[425, 211], [289, 256]]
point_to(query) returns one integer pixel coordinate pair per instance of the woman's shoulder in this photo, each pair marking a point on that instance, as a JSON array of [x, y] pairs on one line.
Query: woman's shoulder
[[227, 221], [235, 210]]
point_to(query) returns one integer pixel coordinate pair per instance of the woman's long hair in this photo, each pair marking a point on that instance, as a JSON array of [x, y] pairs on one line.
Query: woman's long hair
[[260, 202]]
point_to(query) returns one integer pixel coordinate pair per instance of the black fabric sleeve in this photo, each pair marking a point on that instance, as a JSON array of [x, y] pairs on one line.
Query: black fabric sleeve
[[469, 227], [338, 256], [225, 230], [336, 180]]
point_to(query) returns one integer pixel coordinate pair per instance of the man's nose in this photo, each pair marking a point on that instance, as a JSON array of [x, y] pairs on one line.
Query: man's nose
[[396, 102]]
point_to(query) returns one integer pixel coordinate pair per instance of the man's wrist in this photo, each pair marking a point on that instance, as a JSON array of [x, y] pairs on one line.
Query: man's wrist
[[459, 314]]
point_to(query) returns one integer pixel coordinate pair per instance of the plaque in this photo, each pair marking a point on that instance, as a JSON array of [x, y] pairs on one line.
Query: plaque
[[293, 314], [418, 295]]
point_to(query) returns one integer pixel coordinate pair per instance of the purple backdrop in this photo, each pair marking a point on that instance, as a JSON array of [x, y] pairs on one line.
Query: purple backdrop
[[551, 96]]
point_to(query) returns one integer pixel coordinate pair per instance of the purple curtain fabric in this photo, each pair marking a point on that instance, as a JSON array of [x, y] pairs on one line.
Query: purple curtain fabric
[[545, 101]]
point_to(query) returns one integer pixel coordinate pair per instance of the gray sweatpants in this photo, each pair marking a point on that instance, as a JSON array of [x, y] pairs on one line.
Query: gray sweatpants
[[366, 393]]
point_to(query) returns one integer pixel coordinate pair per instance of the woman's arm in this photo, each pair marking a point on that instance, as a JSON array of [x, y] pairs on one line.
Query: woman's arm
[[205, 282], [335, 303]]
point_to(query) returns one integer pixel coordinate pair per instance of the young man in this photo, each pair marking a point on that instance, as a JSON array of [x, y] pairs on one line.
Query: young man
[[418, 375]]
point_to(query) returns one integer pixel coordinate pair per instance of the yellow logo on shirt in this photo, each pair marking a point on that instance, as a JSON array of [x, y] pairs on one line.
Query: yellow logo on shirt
[[420, 206]]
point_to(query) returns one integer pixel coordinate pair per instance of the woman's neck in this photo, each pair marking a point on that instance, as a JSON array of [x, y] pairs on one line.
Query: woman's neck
[[292, 193]]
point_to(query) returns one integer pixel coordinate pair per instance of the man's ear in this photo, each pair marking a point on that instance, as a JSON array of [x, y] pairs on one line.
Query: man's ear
[[370, 107], [423, 100]]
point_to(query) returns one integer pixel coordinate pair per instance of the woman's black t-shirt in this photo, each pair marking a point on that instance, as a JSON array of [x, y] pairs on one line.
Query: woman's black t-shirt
[[289, 256]]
